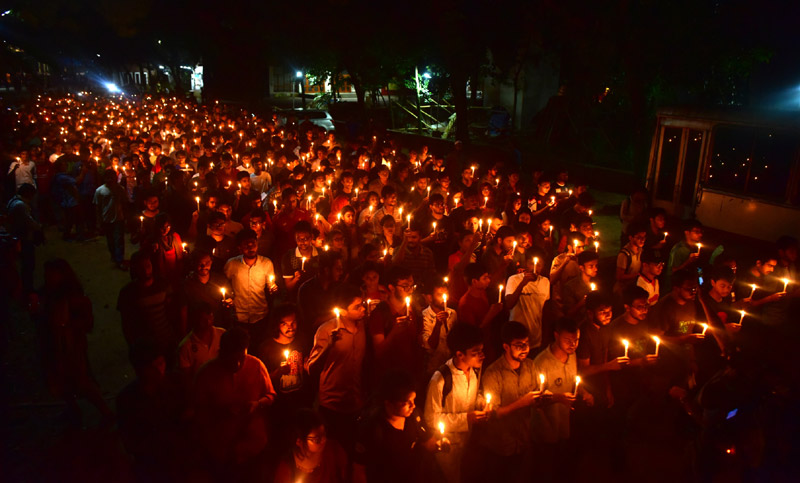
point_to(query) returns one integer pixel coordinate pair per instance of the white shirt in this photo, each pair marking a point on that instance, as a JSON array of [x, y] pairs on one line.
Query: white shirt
[[528, 310], [25, 173], [193, 353], [250, 285], [441, 353], [460, 402]]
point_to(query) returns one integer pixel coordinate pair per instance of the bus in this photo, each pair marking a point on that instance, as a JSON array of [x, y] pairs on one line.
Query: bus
[[734, 170]]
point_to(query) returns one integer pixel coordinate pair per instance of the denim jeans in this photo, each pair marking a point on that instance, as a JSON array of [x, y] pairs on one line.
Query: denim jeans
[[115, 237]]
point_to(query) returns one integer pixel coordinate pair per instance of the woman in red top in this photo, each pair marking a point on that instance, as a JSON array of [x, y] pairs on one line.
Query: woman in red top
[[168, 251]]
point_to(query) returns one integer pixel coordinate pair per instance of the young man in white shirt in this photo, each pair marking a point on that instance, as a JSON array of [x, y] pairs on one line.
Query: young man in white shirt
[[526, 293], [437, 320], [453, 394]]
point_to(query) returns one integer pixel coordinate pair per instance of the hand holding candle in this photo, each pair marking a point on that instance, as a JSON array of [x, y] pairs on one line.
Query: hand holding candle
[[577, 383], [655, 338], [303, 264], [408, 306], [705, 328], [541, 383], [444, 299], [626, 344], [488, 406]]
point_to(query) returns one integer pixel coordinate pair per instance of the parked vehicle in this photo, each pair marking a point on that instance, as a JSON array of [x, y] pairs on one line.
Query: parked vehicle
[[318, 117], [734, 170]]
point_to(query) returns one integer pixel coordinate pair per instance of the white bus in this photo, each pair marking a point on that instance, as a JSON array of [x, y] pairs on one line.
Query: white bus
[[734, 170]]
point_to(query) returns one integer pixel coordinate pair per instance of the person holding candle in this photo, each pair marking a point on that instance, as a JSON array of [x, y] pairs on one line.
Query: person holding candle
[[221, 246], [293, 268], [392, 435], [203, 284], [685, 254], [574, 292], [498, 449], [390, 206], [629, 259], [474, 307], [437, 320], [551, 418], [315, 295], [657, 238], [413, 255], [394, 326], [249, 275], [652, 266], [498, 255], [769, 290], [201, 344], [452, 396], [526, 294], [467, 243], [341, 357]]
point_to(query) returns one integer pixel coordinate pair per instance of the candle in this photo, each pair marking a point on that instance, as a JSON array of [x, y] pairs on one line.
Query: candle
[[665, 236], [593, 286], [480, 225], [500, 295], [552, 200], [408, 221], [590, 212], [785, 283], [541, 383], [385, 252], [326, 248], [184, 247], [141, 219], [488, 401], [473, 170], [705, 328], [658, 343], [441, 428], [444, 298], [337, 314], [485, 201], [488, 224], [741, 316], [699, 246], [197, 199], [535, 262], [597, 247], [626, 344], [223, 293], [286, 355], [275, 204], [303, 264], [429, 191], [551, 231], [408, 306], [446, 279], [753, 289], [369, 301], [577, 383]]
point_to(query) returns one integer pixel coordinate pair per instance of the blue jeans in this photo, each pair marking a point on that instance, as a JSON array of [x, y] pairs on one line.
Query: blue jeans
[[115, 237]]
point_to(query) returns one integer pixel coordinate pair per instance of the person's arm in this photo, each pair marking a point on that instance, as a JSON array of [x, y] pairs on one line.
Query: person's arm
[[586, 369], [435, 413], [622, 267], [513, 294], [555, 276], [323, 341], [493, 385], [400, 253], [494, 309], [462, 264]]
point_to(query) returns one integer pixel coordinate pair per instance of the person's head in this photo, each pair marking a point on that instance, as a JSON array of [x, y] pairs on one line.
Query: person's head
[[693, 232], [289, 199], [202, 263], [348, 299], [303, 235], [233, 348], [330, 265], [413, 235], [216, 224], [389, 196], [400, 282], [477, 276], [658, 218], [505, 238], [109, 177], [284, 321], [247, 241], [543, 187], [60, 277], [436, 204], [787, 247], [141, 267], [598, 307], [371, 276], [585, 226], [465, 342], [465, 239], [684, 285], [722, 279], [534, 261], [257, 220], [567, 335], [397, 393], [587, 263], [516, 340], [201, 315], [576, 242], [766, 262], [226, 208], [652, 264], [26, 191], [635, 300], [637, 234], [309, 433]]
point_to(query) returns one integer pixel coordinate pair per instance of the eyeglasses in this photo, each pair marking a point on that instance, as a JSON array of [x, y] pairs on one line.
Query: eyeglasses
[[317, 439], [521, 345], [406, 286]]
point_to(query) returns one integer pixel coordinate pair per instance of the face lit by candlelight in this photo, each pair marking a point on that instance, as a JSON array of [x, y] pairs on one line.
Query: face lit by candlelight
[[766, 267], [403, 408], [204, 265], [288, 326], [518, 349], [638, 309], [721, 287], [356, 310], [567, 341], [589, 268]]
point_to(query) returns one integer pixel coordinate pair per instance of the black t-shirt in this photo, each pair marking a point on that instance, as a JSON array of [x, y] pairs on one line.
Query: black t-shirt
[[390, 455], [272, 355], [221, 251], [594, 346], [676, 319], [210, 292]]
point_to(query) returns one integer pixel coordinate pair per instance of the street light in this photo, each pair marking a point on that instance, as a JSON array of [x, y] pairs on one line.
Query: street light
[[299, 74]]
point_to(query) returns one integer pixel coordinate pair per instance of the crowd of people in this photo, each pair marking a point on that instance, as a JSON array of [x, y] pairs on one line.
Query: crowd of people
[[308, 308]]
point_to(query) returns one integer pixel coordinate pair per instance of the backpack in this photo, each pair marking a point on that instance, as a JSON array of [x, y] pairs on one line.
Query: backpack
[[447, 375]]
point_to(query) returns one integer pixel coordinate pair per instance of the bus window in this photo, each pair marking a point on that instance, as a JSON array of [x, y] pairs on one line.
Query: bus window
[[691, 164], [752, 161], [668, 166]]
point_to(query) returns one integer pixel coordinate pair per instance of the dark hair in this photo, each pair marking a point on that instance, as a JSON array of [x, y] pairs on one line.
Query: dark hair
[[305, 421], [161, 219], [586, 199], [395, 386], [233, 341], [462, 337], [690, 225], [197, 307], [595, 300], [245, 235], [786, 242], [587, 256], [681, 276], [345, 293], [303, 226], [723, 273], [654, 212], [397, 273], [327, 260], [636, 227], [258, 214], [632, 293], [242, 175], [474, 271], [387, 191], [512, 331], [504, 231], [566, 324]]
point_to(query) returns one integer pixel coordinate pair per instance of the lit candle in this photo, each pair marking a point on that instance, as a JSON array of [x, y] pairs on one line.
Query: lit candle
[[665, 236], [337, 314], [223, 293], [197, 199], [480, 225], [541, 383], [444, 298], [408, 221], [385, 252], [473, 170], [514, 247], [434, 227], [485, 201], [785, 283], [593, 286], [577, 383], [141, 219], [741, 316], [303, 264], [500, 295], [408, 306], [705, 328], [326, 248], [429, 191], [658, 343], [590, 212], [184, 246], [286, 355], [535, 262], [369, 302], [488, 224], [699, 246], [552, 200], [441, 428], [597, 247], [753, 289], [626, 344], [488, 401]]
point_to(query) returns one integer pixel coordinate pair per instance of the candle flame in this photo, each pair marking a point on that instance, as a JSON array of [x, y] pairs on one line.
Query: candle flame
[[441, 428], [286, 354]]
